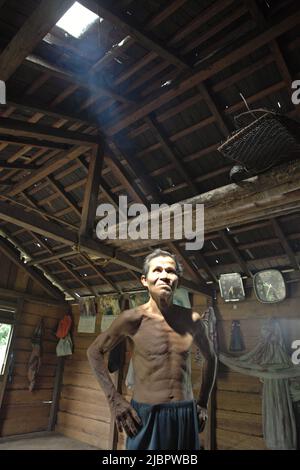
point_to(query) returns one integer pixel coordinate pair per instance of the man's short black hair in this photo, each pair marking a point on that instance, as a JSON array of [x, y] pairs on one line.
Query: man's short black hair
[[155, 254]]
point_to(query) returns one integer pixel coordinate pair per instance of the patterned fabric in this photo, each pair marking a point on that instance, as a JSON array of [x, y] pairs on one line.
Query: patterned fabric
[[34, 362], [137, 299], [87, 306], [108, 305]]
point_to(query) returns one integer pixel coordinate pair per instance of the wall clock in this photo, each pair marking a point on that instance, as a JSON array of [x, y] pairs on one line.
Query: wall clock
[[231, 287], [269, 286]]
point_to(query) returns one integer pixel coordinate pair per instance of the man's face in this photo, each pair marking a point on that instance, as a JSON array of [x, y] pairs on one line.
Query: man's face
[[162, 278]]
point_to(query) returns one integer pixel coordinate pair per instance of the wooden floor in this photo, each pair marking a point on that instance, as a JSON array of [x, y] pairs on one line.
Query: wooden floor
[[51, 441]]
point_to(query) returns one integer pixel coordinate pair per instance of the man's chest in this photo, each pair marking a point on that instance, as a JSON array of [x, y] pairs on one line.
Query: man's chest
[[156, 338]]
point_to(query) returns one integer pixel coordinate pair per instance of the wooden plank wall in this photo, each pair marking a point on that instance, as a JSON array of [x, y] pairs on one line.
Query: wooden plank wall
[[22, 411], [238, 397], [83, 411]]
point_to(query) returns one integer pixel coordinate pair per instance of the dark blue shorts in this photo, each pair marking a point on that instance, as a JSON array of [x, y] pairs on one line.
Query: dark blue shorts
[[167, 426]]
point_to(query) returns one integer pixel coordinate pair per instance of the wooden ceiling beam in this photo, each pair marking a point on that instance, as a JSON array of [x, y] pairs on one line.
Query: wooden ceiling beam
[[285, 244], [67, 197], [232, 205], [17, 166], [105, 9], [42, 20], [258, 16], [14, 139], [19, 128], [8, 251], [202, 38], [163, 14], [52, 165], [167, 147], [102, 274], [103, 185], [149, 105], [76, 81], [90, 200], [235, 253]]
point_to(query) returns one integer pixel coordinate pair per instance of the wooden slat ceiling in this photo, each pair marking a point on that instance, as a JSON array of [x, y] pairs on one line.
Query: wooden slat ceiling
[[152, 90]]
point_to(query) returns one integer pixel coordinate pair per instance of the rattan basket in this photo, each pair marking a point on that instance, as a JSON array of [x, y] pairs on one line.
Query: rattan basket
[[267, 141]]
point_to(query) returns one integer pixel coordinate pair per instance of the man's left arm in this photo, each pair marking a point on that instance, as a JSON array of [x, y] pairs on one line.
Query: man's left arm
[[208, 370]]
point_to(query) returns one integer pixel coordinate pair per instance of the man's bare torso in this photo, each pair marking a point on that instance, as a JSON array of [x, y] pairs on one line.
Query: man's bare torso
[[161, 354]]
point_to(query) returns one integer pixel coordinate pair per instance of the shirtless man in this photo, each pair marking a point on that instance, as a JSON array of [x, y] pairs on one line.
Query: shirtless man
[[163, 414]]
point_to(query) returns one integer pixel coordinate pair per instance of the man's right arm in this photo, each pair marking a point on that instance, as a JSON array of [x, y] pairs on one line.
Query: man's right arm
[[124, 325]]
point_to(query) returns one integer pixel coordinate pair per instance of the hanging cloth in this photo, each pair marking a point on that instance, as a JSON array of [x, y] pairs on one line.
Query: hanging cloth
[[270, 362], [35, 356], [236, 339]]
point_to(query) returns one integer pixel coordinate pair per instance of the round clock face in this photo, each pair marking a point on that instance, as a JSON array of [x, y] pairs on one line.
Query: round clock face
[[269, 286]]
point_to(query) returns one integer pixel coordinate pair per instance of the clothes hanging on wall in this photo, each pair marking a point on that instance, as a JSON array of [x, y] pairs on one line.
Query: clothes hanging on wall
[[35, 356], [210, 321], [236, 337], [269, 361]]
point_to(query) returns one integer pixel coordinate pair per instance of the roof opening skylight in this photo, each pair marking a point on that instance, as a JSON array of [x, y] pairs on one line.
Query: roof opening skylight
[[77, 20]]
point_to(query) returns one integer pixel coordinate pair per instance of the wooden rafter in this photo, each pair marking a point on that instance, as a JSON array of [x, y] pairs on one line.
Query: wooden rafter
[[18, 128], [235, 252], [275, 49], [285, 244], [167, 147], [43, 18], [7, 249], [125, 119], [106, 11], [92, 187]]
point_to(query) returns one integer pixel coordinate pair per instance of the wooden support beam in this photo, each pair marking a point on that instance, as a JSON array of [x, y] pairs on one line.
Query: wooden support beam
[[8, 251], [76, 81], [54, 257], [91, 192], [215, 111], [147, 183], [11, 293], [235, 253], [17, 166], [18, 128], [285, 244], [125, 119], [42, 20], [59, 373], [67, 197], [202, 263], [101, 274], [106, 10], [32, 106], [163, 14], [167, 147], [52, 165], [32, 142], [259, 18], [233, 205], [103, 185]]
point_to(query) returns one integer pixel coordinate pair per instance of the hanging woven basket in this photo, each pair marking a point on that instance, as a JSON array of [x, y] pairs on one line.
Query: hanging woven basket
[[264, 139]]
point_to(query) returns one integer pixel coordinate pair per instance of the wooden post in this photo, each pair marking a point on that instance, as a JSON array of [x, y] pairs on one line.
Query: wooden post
[[56, 393], [91, 192]]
